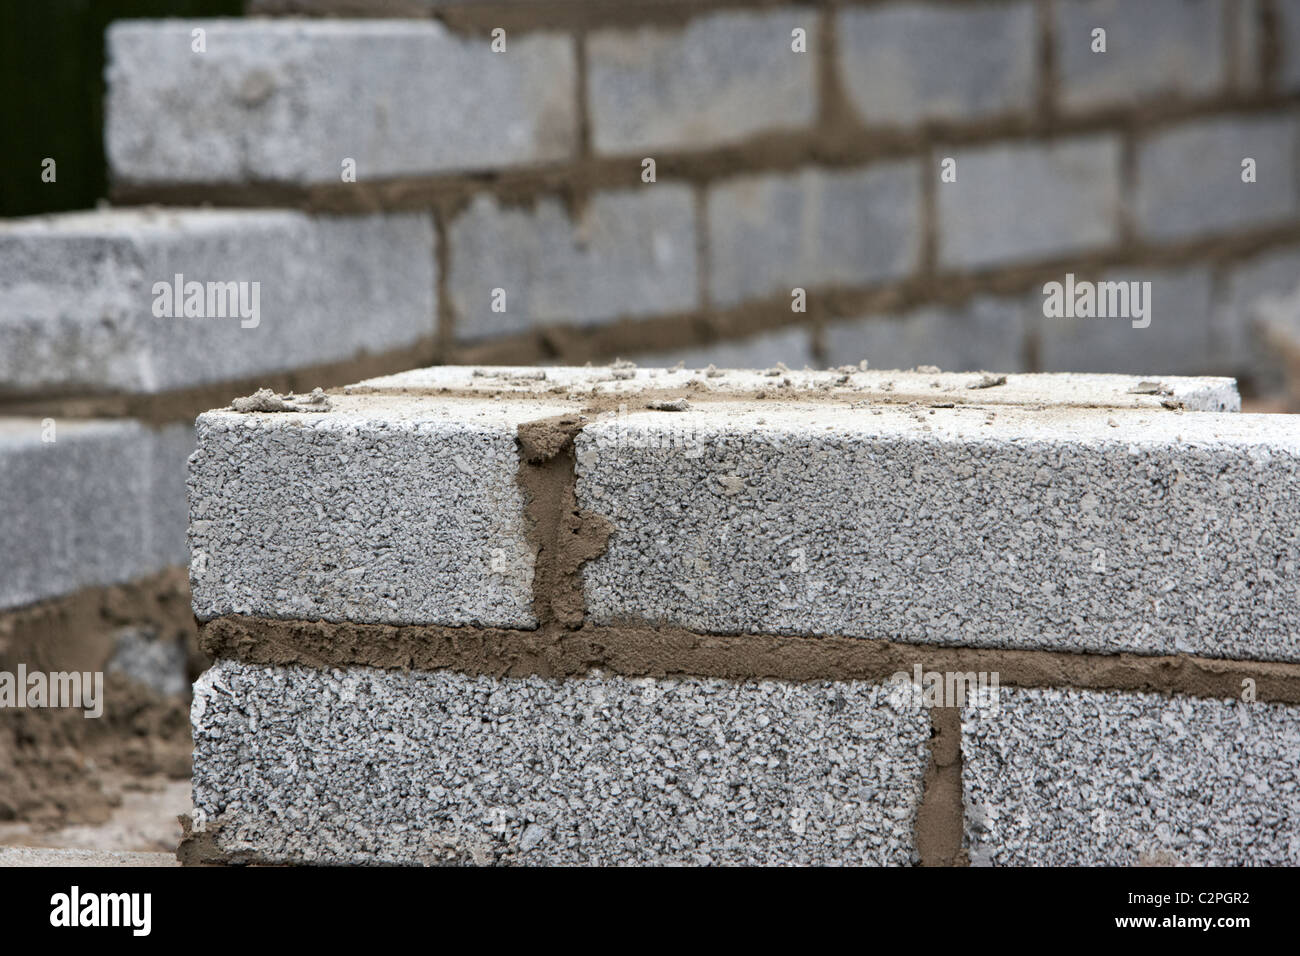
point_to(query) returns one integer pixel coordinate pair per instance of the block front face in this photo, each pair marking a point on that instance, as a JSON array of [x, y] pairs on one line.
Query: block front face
[[75, 511], [1091, 778], [305, 95], [724, 77], [371, 513], [148, 301], [1049, 528], [370, 766]]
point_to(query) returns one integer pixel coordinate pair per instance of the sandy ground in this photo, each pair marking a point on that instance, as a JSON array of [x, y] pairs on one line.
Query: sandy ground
[[145, 822]]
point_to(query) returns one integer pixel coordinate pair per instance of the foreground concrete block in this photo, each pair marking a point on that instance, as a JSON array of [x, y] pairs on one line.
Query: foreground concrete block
[[370, 766], [719, 79], [906, 63], [289, 100], [1090, 778], [80, 308], [380, 511], [1062, 528], [101, 504]]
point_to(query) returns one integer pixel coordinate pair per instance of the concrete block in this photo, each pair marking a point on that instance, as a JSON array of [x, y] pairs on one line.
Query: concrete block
[[377, 511], [1189, 178], [369, 766], [1051, 527], [1060, 777], [903, 64], [289, 100], [629, 253], [1256, 293], [770, 233], [88, 509], [791, 346], [1029, 202], [719, 79], [81, 307], [985, 333], [1288, 25], [1178, 341], [1154, 49]]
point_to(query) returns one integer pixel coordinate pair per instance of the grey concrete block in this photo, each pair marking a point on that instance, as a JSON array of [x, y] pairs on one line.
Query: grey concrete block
[[1091, 778], [289, 100], [80, 511], [1178, 341], [1062, 528], [906, 63], [1029, 202], [1256, 291], [1244, 19], [376, 511], [629, 253], [368, 766], [1154, 49], [1288, 25], [768, 234], [791, 347], [719, 79], [985, 333], [1189, 178], [81, 309]]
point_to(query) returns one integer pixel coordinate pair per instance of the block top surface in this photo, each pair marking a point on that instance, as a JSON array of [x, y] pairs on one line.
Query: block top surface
[[849, 384]]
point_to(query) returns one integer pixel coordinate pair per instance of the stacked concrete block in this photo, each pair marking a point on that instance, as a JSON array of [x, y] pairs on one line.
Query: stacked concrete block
[[1191, 181], [750, 558], [618, 181], [285, 101], [1018, 203], [123, 312], [1069, 777], [147, 301], [628, 253], [908, 63], [724, 77], [88, 503], [1161, 48]]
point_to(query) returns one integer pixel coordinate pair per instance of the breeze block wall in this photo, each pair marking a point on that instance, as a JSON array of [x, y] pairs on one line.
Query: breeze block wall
[[743, 183], [625, 615]]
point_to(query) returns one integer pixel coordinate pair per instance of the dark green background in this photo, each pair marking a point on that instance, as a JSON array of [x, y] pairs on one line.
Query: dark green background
[[52, 94]]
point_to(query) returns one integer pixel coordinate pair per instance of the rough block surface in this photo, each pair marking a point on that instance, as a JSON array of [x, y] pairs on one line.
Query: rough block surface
[[369, 766], [1091, 778], [1083, 529], [379, 512]]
